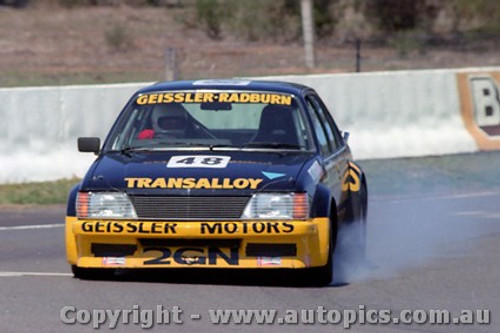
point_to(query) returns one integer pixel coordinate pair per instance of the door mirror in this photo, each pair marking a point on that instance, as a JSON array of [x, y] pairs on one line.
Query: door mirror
[[345, 135], [89, 145]]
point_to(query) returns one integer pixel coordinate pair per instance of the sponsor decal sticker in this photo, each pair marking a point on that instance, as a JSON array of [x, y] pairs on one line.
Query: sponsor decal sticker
[[315, 171], [246, 227], [194, 183], [193, 255], [273, 175], [269, 261], [211, 97], [351, 179], [113, 261], [120, 227], [198, 161]]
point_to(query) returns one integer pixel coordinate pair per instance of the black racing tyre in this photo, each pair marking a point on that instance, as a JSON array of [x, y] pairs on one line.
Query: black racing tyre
[[92, 273], [323, 275], [354, 230]]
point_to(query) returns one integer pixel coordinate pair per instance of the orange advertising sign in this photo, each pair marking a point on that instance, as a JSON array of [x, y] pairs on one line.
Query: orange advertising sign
[[480, 106]]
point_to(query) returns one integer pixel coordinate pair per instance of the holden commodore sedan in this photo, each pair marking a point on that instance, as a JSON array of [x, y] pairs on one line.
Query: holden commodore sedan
[[230, 174]]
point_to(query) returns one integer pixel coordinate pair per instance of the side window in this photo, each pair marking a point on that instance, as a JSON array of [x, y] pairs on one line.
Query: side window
[[336, 133], [319, 129], [326, 119]]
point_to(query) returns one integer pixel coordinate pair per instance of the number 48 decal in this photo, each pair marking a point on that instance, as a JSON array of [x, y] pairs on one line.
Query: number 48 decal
[[198, 161]]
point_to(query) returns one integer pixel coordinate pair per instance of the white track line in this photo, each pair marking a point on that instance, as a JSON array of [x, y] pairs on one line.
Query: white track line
[[25, 227], [17, 274]]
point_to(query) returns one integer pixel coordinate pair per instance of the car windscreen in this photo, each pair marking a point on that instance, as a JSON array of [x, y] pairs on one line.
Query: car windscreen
[[233, 119]]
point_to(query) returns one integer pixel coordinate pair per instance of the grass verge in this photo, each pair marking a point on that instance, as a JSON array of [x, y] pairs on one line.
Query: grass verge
[[45, 193]]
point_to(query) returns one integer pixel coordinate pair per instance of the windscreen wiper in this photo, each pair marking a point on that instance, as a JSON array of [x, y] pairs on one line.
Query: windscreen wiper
[[276, 145], [197, 144], [224, 146], [127, 150]]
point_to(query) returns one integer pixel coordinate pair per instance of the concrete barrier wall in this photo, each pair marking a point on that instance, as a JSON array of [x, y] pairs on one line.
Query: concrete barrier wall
[[39, 127], [389, 114], [413, 113], [395, 114]]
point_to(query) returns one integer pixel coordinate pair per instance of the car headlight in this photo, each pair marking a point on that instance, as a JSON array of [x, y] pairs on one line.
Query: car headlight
[[113, 205], [277, 206]]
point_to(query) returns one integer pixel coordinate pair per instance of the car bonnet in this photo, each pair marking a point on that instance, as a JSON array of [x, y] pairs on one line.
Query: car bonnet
[[196, 172]]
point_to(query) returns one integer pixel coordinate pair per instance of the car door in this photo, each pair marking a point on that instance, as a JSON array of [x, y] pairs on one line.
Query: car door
[[333, 150]]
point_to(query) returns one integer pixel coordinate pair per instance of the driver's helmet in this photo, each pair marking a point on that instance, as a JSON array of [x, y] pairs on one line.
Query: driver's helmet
[[171, 119]]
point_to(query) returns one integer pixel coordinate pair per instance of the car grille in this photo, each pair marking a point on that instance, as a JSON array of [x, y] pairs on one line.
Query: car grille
[[189, 208]]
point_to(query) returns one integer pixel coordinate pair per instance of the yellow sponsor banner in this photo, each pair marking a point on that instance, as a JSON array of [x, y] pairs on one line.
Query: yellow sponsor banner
[[210, 97], [195, 229], [194, 183]]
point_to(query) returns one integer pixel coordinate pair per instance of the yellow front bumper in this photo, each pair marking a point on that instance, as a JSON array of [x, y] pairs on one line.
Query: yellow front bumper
[[181, 244]]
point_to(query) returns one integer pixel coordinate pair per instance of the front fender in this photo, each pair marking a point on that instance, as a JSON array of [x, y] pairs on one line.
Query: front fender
[[71, 204], [322, 201], [71, 251]]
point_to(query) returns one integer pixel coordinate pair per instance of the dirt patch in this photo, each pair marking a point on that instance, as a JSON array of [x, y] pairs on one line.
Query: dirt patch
[[53, 45]]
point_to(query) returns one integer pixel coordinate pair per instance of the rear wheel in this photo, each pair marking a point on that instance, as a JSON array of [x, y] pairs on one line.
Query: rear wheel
[[353, 232]]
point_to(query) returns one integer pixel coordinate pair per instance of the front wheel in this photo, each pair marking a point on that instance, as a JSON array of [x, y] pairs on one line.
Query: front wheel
[[323, 275]]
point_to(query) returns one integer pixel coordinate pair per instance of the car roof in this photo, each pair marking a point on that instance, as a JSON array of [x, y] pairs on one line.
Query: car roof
[[227, 84]]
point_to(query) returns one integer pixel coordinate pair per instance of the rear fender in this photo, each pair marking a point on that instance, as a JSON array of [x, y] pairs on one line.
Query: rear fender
[[357, 190]]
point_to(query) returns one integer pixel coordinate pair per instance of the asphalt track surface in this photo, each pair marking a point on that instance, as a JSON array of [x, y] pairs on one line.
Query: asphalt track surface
[[426, 251]]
